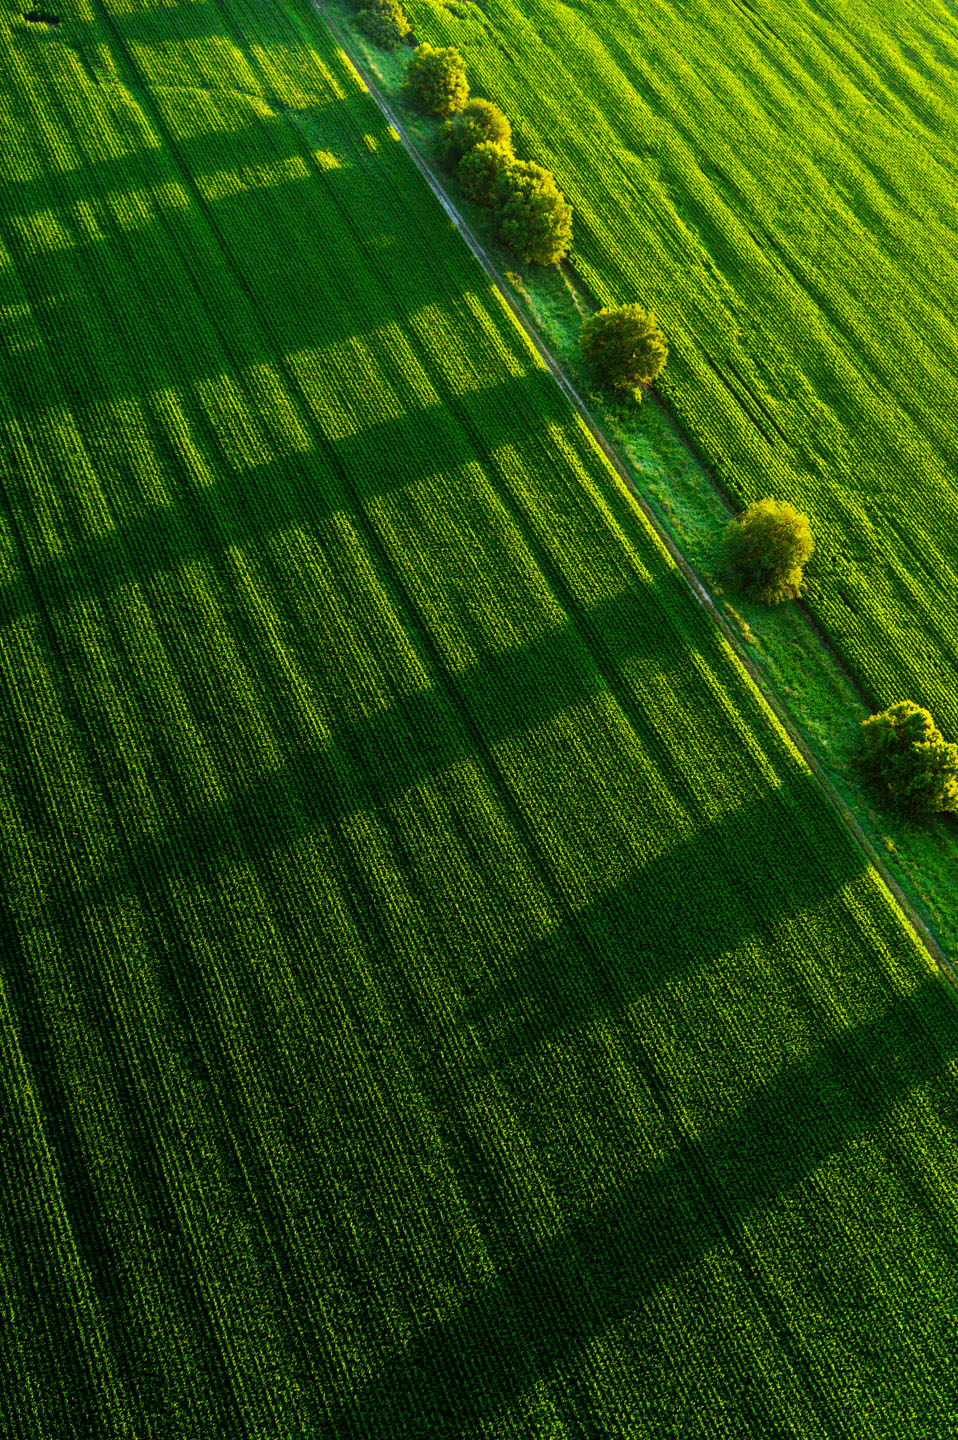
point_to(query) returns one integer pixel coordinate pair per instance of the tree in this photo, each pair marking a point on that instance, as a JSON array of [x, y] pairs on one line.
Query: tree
[[480, 169], [624, 346], [435, 80], [904, 752], [478, 122], [385, 22], [532, 214], [766, 547]]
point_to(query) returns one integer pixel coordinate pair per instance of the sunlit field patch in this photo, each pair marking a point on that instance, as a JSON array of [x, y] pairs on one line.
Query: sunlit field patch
[[434, 997]]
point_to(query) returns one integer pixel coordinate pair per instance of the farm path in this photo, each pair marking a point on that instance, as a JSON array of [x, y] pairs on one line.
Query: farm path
[[702, 594]]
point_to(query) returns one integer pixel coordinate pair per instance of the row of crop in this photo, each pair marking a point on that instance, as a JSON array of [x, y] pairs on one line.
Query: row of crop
[[349, 866], [188, 925], [716, 925], [538, 812], [222, 697], [242, 1367], [231, 951], [526, 771], [54, 858], [56, 1354], [864, 622]]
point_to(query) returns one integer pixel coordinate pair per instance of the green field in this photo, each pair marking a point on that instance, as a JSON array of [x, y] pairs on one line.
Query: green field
[[435, 999], [779, 182]]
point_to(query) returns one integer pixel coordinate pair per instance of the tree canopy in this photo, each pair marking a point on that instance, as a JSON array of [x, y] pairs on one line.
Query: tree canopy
[[766, 547], [624, 346], [533, 216], [908, 756], [479, 121], [435, 80], [385, 22], [480, 168]]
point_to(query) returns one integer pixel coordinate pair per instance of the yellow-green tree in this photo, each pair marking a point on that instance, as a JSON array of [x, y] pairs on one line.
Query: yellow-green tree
[[435, 80], [625, 347], [385, 22], [909, 757], [766, 548], [532, 215], [479, 122], [480, 168]]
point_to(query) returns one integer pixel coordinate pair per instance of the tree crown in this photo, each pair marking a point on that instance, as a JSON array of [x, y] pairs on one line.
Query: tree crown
[[904, 751], [766, 547], [480, 168], [479, 121], [385, 22], [624, 345], [435, 80], [533, 216]]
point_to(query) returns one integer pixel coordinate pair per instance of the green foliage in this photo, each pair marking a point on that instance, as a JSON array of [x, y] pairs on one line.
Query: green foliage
[[385, 22], [481, 168], [624, 346], [532, 214], [766, 547], [793, 366], [904, 752], [478, 122], [315, 687], [435, 80]]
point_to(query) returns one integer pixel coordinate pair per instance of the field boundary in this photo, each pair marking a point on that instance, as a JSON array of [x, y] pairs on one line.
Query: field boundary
[[699, 590]]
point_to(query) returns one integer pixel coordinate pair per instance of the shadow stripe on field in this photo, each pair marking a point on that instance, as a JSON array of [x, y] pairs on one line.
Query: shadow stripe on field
[[551, 1303]]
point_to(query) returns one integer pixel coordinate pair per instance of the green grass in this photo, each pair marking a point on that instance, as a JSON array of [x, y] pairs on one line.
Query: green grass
[[435, 999], [822, 698], [778, 184]]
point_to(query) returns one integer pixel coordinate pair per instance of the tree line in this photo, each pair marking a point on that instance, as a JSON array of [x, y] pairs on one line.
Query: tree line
[[768, 545], [531, 215]]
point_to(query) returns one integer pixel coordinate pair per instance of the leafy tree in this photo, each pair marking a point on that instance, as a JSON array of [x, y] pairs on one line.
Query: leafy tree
[[766, 547], [435, 80], [385, 22], [480, 169], [532, 214], [478, 121], [904, 752], [624, 346]]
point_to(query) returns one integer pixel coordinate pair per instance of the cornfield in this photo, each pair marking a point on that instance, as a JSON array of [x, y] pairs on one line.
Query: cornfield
[[435, 998]]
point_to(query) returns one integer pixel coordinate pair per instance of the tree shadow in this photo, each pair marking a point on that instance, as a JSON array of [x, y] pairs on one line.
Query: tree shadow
[[246, 507], [735, 877], [548, 1304], [289, 286], [193, 23], [252, 139], [372, 760], [185, 35]]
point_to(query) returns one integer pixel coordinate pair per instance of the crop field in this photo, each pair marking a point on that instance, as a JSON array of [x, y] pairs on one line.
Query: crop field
[[779, 183], [434, 998]]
